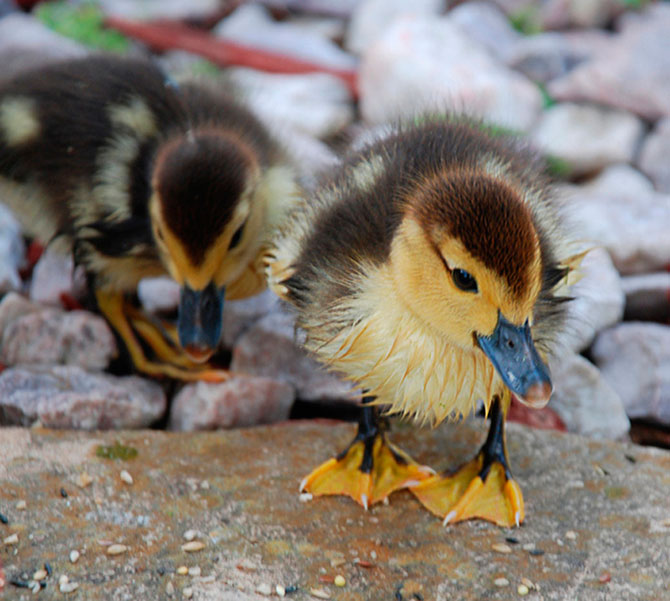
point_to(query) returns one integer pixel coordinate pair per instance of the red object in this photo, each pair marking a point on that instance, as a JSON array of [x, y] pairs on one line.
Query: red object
[[164, 35], [33, 253], [605, 577], [542, 419], [69, 302]]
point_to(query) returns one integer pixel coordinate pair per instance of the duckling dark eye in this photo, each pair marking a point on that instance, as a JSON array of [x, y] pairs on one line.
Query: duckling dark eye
[[464, 280], [237, 236]]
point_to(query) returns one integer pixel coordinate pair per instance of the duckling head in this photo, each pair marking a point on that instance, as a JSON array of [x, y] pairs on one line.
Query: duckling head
[[205, 224], [467, 261]]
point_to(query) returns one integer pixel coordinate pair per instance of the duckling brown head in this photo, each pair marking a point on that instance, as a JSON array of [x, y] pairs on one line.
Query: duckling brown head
[[467, 261], [204, 220]]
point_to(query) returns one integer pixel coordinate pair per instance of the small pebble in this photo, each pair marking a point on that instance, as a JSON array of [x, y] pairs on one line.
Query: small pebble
[[21, 505], [571, 535], [319, 593], [47, 567], [68, 587], [523, 590], [116, 549], [305, 497], [74, 556], [528, 546], [63, 579], [169, 589], [512, 540], [204, 485], [187, 592], [126, 477], [4, 519], [193, 546], [12, 539], [501, 582], [182, 570], [527, 582], [605, 577], [40, 575], [36, 588], [280, 590], [84, 480], [189, 535], [666, 522], [501, 548], [340, 581], [264, 589], [63, 493], [194, 571], [536, 552], [337, 562]]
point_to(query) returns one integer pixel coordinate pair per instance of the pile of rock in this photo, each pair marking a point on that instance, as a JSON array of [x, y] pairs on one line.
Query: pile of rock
[[587, 83]]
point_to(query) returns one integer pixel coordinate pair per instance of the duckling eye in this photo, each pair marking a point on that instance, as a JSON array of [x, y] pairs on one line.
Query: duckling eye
[[237, 236], [464, 280]]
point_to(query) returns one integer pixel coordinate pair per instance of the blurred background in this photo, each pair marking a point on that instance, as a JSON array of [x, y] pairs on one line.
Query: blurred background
[[585, 81]]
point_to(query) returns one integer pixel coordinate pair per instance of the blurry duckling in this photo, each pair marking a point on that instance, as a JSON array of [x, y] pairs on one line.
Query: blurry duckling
[[145, 177]]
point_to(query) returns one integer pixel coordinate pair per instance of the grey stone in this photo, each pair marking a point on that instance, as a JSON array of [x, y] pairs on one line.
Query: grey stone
[[158, 294], [70, 397], [584, 400], [653, 160], [430, 64], [632, 75], [588, 137], [271, 348], [53, 336], [647, 297], [562, 14], [634, 358], [239, 402], [12, 251], [371, 18], [332, 27], [13, 306], [160, 9], [55, 275], [239, 315]]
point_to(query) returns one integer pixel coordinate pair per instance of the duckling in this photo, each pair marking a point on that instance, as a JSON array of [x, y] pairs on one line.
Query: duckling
[[429, 271], [145, 177]]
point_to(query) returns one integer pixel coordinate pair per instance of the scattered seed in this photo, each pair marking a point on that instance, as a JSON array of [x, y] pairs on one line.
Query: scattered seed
[[47, 567], [40, 575], [305, 497], [363, 564], [204, 485], [264, 589], [63, 493], [501, 582], [74, 556], [605, 577], [68, 587], [511, 540], [630, 458], [169, 589], [194, 571], [4, 519], [246, 565], [182, 570], [280, 590], [126, 477], [536, 552], [386, 501], [193, 546], [326, 579], [189, 535], [63, 579], [337, 562], [665, 523], [523, 590], [571, 535], [528, 546], [37, 587], [319, 593], [116, 549], [291, 589], [340, 581], [501, 548], [527, 582], [187, 592], [84, 480], [12, 539], [373, 554], [21, 505]]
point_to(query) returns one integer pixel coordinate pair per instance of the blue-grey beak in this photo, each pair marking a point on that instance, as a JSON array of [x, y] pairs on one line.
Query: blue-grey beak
[[200, 320], [512, 352]]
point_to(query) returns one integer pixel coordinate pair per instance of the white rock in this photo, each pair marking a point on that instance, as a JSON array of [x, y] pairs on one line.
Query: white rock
[[430, 64], [371, 18], [588, 137], [160, 9], [653, 159], [317, 104], [158, 294], [55, 275], [647, 297], [12, 251], [238, 315], [12, 307], [634, 358], [252, 25], [584, 400], [333, 28]]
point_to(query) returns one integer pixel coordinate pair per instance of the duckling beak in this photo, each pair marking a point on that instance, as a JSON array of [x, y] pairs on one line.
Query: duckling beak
[[199, 321], [511, 350]]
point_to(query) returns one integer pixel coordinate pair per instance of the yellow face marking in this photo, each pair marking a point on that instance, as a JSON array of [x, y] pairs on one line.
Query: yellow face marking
[[19, 122], [135, 115]]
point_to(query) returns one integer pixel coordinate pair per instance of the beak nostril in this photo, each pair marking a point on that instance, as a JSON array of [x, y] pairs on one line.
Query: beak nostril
[[510, 344]]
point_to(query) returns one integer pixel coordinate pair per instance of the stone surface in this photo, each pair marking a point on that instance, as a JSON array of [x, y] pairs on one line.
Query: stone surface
[[270, 348], [241, 401], [252, 25], [653, 159], [560, 14], [371, 18], [632, 74], [598, 301], [591, 512], [12, 251], [585, 402], [159, 294], [647, 296], [238, 315], [12, 307], [634, 358], [317, 104], [588, 137], [54, 275], [423, 64], [160, 9], [70, 397], [53, 336], [621, 211]]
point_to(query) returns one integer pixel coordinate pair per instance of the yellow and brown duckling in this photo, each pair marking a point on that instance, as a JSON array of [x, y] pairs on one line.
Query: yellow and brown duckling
[[145, 177], [428, 271]]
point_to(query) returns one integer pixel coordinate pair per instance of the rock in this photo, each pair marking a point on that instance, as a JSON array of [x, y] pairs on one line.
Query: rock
[[588, 137], [647, 297], [488, 25], [424, 64], [25, 44], [53, 336], [334, 28], [12, 251], [634, 359], [159, 294], [70, 397], [252, 25], [238, 315], [54, 275], [631, 75], [584, 400], [240, 402], [12, 307], [561, 14], [160, 9], [653, 159], [269, 348], [371, 18], [317, 104], [621, 211], [598, 301]]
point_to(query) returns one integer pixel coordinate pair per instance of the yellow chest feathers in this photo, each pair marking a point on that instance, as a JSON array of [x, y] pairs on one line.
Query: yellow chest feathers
[[390, 352]]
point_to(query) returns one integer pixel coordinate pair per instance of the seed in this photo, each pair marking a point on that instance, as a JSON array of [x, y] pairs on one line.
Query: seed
[[63, 493], [204, 485], [337, 561], [523, 590], [501, 548], [319, 593], [194, 571], [187, 592], [305, 497], [12, 539], [36, 587], [84, 480], [571, 535], [4, 519], [501, 582], [169, 589], [536, 552], [63, 579], [182, 570], [665, 523], [193, 546], [528, 546], [340, 581], [280, 590], [264, 589], [126, 477], [74, 556], [116, 549], [189, 535], [511, 540], [21, 505], [326, 579], [527, 582], [40, 575], [68, 587], [605, 577], [47, 567]]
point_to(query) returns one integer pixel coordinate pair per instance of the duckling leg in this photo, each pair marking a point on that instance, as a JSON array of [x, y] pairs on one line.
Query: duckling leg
[[113, 307], [482, 488], [369, 469]]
